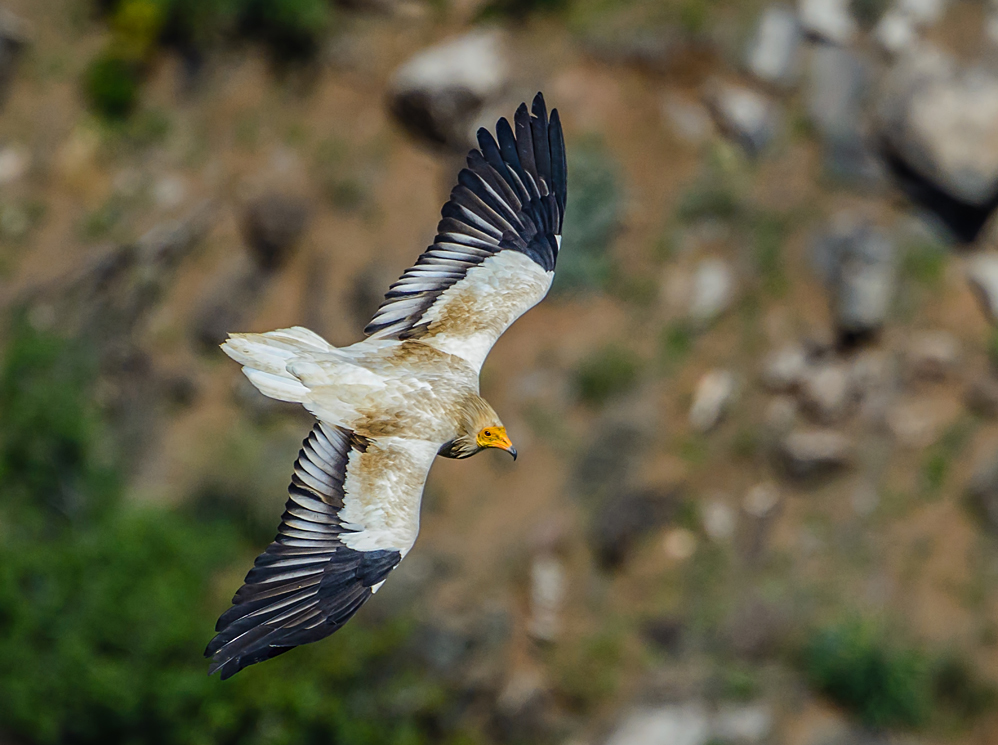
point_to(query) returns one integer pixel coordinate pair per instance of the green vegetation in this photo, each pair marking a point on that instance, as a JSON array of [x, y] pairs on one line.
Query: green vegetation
[[924, 262], [290, 29], [112, 86], [860, 667], [886, 684], [610, 371], [592, 216], [768, 235], [868, 12], [105, 608]]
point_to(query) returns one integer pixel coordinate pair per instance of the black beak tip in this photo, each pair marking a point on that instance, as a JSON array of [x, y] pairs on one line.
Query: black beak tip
[[512, 451]]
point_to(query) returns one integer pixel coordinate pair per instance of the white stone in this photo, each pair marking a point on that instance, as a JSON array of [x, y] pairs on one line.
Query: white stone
[[475, 62], [713, 395], [713, 290], [923, 12], [774, 55], [785, 368], [826, 391], [548, 584], [686, 724], [751, 723], [743, 114], [942, 120], [895, 31], [719, 520], [14, 163], [761, 499], [169, 192], [828, 19], [932, 355]]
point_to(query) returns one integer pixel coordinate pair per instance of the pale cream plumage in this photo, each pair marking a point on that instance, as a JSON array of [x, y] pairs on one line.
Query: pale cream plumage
[[388, 405]]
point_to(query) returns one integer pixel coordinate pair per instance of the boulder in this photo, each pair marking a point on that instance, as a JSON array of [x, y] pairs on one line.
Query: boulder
[[826, 391], [748, 117], [941, 121], [932, 355], [857, 262], [774, 54], [785, 368], [714, 393], [437, 94], [828, 20], [813, 453], [713, 290]]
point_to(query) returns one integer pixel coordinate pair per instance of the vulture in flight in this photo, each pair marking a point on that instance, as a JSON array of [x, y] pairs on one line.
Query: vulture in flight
[[388, 405]]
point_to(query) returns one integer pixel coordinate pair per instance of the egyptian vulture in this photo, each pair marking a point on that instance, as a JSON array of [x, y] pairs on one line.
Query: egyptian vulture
[[388, 405]]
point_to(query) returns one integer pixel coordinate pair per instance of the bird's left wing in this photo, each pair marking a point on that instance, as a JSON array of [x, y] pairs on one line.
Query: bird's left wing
[[494, 254], [351, 515]]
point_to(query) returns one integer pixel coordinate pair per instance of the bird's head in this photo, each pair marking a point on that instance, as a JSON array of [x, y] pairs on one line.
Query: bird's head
[[480, 428]]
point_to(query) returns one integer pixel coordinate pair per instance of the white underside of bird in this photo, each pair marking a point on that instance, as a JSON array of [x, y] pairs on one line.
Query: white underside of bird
[[388, 405]]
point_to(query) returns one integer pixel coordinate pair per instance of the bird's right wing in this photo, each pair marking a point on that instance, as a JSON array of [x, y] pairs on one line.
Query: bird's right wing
[[352, 514]]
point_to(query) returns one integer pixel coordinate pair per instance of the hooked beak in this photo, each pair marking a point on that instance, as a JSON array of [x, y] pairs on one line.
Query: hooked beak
[[512, 451]]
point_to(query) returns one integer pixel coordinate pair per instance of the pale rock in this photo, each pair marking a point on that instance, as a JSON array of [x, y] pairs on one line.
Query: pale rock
[[680, 724], [923, 12], [761, 499], [932, 355], [895, 32], [548, 584], [745, 115], [942, 121], [812, 453], [745, 724], [826, 391], [713, 290], [169, 192], [437, 94], [719, 519], [785, 368], [982, 273], [828, 19], [714, 393], [774, 54], [14, 163]]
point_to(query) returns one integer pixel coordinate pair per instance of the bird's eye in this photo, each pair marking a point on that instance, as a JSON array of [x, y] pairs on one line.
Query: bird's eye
[[487, 433]]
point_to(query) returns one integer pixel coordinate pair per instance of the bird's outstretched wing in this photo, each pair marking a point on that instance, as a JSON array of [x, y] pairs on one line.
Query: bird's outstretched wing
[[494, 254], [352, 514]]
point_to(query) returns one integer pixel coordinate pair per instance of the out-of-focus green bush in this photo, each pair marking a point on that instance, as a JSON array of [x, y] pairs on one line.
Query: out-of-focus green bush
[[608, 372], [105, 608], [592, 216], [291, 29], [858, 666]]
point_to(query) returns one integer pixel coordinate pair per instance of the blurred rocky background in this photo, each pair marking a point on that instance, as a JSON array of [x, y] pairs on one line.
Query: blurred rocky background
[[757, 502]]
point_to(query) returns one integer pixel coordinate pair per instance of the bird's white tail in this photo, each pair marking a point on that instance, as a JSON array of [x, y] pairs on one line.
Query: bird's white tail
[[265, 357]]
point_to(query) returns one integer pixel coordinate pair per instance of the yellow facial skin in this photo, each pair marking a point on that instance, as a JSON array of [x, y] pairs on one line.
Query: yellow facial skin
[[496, 437]]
